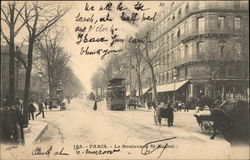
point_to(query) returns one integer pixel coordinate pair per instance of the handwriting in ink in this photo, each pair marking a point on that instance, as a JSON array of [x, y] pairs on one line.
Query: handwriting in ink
[[86, 39], [120, 7], [140, 7], [131, 19], [108, 7], [89, 8], [79, 18]]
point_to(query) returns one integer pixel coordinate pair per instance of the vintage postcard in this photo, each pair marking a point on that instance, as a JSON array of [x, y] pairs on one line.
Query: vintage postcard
[[124, 80]]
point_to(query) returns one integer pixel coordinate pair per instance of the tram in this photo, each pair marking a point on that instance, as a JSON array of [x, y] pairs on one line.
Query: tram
[[116, 94]]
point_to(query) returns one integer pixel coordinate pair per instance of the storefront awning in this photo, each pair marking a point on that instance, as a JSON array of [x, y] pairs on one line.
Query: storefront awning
[[171, 87]]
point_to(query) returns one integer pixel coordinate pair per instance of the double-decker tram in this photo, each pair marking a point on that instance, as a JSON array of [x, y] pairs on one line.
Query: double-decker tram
[[116, 94]]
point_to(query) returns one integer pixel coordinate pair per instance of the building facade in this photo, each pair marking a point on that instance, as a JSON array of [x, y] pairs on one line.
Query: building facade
[[203, 51]]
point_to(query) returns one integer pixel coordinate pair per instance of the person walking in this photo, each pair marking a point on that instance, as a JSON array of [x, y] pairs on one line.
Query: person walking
[[32, 109], [40, 107], [46, 104], [187, 106], [170, 115], [95, 105]]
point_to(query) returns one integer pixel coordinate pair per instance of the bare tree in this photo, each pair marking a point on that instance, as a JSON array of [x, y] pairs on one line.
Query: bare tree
[[135, 63], [150, 57], [38, 17], [53, 56], [11, 12]]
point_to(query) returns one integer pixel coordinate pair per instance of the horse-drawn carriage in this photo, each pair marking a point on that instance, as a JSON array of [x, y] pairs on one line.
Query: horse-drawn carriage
[[229, 119], [163, 112]]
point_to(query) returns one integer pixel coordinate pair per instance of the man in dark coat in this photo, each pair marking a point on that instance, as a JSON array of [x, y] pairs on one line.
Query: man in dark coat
[[32, 109], [95, 105], [170, 115], [6, 124], [40, 107]]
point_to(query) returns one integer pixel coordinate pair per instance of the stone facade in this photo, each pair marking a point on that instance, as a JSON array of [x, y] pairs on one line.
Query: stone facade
[[206, 43]]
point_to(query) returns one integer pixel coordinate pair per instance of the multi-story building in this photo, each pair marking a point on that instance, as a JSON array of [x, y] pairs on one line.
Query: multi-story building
[[204, 50]]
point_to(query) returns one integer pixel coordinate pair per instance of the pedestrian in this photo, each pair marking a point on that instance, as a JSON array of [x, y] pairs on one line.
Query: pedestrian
[[6, 124], [50, 104], [46, 103], [32, 109], [179, 106], [18, 123], [186, 107], [95, 105], [170, 115], [40, 107]]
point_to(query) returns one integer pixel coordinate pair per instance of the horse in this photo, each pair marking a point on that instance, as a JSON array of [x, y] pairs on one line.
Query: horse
[[231, 119]]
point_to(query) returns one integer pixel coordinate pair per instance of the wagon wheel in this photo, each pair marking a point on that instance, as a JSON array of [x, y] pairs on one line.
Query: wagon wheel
[[156, 118], [206, 127]]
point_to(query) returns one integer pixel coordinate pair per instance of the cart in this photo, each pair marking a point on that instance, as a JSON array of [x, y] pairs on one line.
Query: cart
[[159, 113]]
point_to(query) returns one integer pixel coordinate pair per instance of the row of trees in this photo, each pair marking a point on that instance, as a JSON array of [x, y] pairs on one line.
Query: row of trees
[[36, 22], [136, 57]]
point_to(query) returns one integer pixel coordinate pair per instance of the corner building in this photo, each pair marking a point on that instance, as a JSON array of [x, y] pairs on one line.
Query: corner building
[[204, 51]]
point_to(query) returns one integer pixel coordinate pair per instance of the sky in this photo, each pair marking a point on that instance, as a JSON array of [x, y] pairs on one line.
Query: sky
[[85, 66]]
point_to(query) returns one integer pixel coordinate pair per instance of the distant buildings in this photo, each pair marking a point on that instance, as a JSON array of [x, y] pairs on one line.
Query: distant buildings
[[204, 50], [35, 86]]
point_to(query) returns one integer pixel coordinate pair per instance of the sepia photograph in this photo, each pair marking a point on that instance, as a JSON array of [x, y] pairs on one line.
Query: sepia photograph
[[124, 80]]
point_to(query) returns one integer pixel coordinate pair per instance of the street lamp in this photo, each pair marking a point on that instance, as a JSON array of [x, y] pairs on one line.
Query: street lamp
[[40, 74], [174, 88], [174, 78]]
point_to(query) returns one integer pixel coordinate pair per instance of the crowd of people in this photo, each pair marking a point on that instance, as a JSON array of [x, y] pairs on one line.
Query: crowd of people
[[13, 120]]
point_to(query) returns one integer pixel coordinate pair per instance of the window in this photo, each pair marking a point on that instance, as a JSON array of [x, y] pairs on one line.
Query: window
[[167, 78], [190, 49], [201, 24], [186, 27], [200, 47], [178, 33], [168, 42], [182, 53], [173, 18], [221, 23], [179, 13], [237, 23], [221, 48], [230, 72], [237, 51], [172, 39], [186, 50], [168, 59]]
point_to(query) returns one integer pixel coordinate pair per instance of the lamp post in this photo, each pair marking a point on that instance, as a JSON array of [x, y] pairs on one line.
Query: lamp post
[[174, 78], [40, 74], [174, 88]]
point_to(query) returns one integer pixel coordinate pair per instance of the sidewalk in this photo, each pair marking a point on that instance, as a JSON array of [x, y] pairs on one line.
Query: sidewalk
[[34, 131]]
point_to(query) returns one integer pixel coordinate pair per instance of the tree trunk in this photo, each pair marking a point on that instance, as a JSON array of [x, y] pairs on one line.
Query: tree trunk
[[11, 67], [27, 81], [154, 94]]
